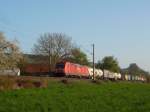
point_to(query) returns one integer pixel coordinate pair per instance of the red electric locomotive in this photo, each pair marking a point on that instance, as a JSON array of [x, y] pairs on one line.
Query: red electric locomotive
[[71, 70]]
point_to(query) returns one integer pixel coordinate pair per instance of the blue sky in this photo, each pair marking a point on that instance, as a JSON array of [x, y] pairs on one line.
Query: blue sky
[[117, 27]]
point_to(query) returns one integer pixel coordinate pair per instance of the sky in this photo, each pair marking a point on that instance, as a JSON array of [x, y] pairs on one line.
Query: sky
[[120, 28]]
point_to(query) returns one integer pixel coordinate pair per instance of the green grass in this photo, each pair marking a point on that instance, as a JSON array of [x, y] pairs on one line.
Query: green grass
[[79, 96]]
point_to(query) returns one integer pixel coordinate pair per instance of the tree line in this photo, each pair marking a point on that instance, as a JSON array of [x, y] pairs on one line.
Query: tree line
[[57, 47]]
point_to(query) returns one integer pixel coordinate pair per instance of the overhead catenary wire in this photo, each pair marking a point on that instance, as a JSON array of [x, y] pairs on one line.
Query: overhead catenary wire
[[7, 27]]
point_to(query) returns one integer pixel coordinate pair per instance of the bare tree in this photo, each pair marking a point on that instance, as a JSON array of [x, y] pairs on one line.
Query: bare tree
[[10, 54], [55, 45]]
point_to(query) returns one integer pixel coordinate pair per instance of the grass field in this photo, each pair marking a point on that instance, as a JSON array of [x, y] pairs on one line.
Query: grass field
[[79, 96]]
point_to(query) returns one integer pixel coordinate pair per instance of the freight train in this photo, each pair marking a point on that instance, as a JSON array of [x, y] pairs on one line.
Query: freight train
[[36, 69], [68, 69]]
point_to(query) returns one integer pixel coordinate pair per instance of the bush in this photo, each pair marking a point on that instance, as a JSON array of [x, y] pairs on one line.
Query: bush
[[65, 81], [7, 83], [96, 81], [12, 82]]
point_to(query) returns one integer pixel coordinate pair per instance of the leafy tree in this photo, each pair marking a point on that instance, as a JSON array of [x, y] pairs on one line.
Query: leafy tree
[[99, 65], [10, 54], [109, 63], [78, 56], [56, 46]]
